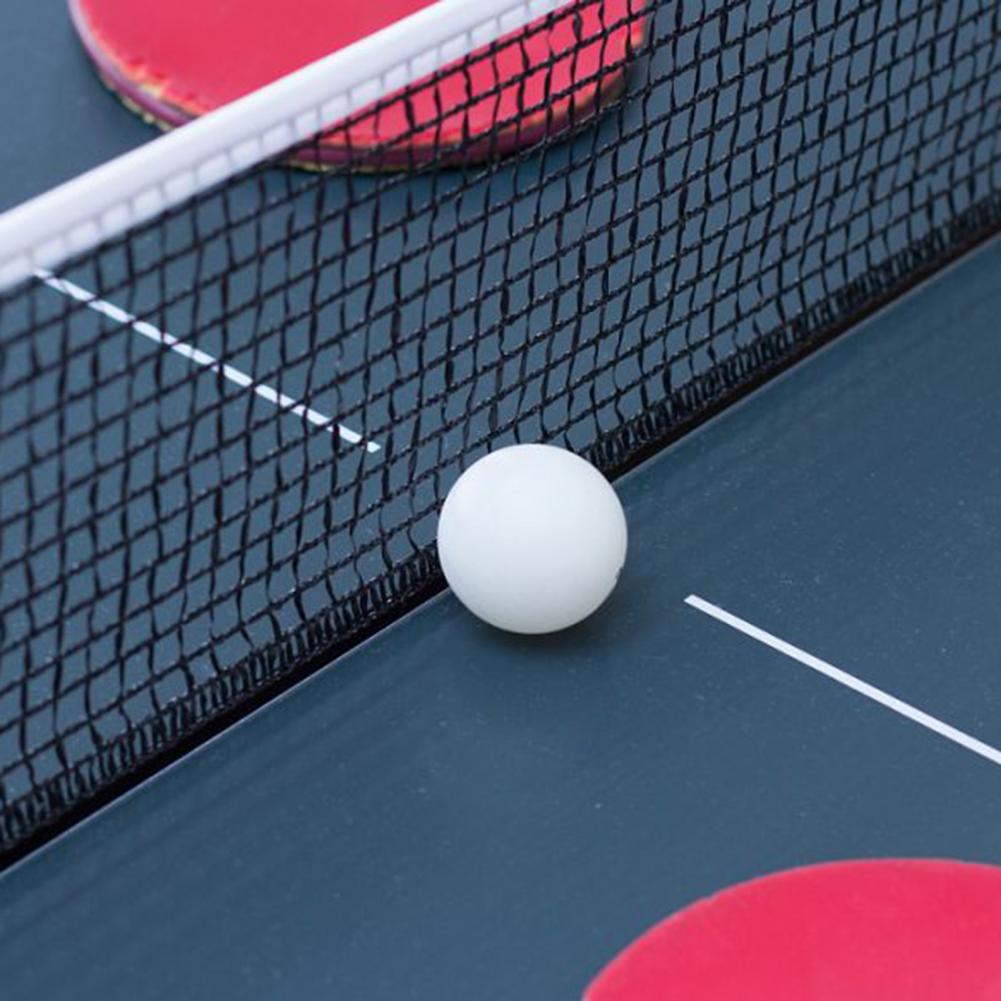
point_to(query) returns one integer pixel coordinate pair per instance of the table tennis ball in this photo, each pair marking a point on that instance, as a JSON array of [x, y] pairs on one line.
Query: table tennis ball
[[532, 538]]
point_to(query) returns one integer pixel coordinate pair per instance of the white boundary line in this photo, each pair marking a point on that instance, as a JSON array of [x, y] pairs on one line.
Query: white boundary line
[[202, 358], [848, 680], [104, 202]]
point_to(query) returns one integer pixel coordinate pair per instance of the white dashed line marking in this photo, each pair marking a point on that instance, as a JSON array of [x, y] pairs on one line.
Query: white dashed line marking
[[203, 359]]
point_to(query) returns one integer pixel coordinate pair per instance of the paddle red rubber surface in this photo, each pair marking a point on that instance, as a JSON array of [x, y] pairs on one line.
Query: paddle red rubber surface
[[900, 930], [172, 61]]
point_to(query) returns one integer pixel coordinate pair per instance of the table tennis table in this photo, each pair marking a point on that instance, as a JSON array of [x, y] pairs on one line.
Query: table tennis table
[[800, 664]]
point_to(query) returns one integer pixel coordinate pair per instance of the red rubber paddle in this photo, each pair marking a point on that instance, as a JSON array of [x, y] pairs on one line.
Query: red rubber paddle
[[171, 61], [847, 931]]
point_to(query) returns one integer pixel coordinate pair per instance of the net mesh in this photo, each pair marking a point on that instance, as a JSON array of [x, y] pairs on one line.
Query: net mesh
[[224, 436]]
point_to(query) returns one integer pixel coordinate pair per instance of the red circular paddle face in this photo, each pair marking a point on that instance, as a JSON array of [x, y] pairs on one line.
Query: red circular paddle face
[[177, 59], [847, 931]]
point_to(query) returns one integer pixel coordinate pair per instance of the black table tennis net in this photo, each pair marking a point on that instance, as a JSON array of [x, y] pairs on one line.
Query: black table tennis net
[[225, 435]]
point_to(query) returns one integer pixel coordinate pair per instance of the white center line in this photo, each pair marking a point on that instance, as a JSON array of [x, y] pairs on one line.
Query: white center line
[[848, 680], [202, 358]]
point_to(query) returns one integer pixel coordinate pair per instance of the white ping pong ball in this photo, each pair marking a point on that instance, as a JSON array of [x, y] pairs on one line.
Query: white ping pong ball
[[532, 538]]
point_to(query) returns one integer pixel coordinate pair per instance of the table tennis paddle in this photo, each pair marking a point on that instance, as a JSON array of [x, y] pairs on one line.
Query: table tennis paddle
[[172, 61], [910, 930]]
